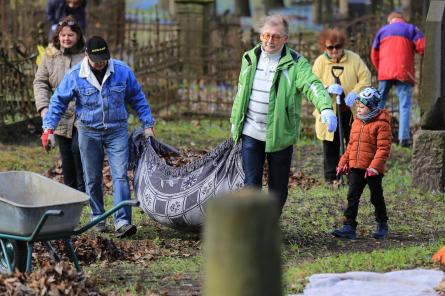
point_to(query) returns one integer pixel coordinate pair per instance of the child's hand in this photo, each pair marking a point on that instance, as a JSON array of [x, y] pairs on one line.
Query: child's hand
[[344, 170], [370, 172]]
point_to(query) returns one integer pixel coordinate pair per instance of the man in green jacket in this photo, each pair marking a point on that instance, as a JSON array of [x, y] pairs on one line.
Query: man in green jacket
[[266, 110]]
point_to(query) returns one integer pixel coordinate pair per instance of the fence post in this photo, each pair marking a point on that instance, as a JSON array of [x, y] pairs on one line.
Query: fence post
[[194, 18], [242, 246], [343, 8]]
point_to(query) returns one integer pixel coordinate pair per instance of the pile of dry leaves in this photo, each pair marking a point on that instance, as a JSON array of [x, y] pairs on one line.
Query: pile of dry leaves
[[296, 179], [89, 248], [54, 280], [185, 156], [62, 279], [300, 180], [92, 247]]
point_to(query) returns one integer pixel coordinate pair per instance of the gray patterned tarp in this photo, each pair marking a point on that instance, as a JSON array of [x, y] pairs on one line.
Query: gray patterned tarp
[[176, 196]]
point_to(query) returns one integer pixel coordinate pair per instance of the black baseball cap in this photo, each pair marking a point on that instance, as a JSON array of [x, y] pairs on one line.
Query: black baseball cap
[[97, 49]]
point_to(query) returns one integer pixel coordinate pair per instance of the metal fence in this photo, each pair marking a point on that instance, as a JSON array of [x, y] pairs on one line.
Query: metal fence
[[150, 42], [16, 98]]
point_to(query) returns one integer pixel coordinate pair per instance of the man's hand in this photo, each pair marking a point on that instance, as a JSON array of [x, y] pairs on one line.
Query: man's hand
[[335, 89], [370, 172], [48, 139], [43, 112], [350, 99], [343, 170], [149, 132], [328, 116]]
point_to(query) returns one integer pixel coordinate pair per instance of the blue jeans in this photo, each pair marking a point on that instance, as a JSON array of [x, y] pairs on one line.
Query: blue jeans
[[404, 93], [92, 145], [253, 155]]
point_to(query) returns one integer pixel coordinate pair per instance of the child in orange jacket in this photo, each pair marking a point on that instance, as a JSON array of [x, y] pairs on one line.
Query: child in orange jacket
[[364, 162]]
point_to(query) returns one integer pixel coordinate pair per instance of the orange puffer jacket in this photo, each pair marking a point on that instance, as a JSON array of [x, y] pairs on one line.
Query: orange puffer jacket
[[369, 144]]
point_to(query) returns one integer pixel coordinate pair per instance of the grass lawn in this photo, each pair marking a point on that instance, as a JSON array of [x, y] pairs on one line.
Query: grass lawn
[[164, 261]]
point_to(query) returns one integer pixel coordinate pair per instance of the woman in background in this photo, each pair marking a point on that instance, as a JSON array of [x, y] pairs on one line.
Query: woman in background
[[65, 51], [353, 76]]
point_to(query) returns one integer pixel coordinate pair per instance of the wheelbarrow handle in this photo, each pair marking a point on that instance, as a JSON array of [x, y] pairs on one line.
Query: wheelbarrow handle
[[45, 216], [132, 203]]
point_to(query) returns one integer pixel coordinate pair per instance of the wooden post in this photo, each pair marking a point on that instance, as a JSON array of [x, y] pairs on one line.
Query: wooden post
[[343, 8], [194, 18], [242, 246]]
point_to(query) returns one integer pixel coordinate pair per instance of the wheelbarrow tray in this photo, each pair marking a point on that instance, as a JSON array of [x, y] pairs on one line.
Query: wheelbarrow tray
[[26, 196]]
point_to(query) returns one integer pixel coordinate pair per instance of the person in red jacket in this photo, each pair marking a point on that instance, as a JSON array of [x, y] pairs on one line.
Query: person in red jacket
[[392, 55], [364, 162]]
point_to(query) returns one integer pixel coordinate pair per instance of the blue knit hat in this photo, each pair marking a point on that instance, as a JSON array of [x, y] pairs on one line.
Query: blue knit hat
[[370, 97]]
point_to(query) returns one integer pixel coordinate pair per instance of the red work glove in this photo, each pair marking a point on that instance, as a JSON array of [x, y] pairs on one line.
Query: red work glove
[[344, 170], [48, 139], [370, 172]]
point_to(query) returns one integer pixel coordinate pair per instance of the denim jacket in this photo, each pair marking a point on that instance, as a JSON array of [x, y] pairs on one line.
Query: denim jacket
[[99, 106]]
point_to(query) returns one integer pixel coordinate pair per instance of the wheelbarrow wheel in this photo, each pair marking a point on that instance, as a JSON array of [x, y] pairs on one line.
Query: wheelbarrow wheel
[[17, 253]]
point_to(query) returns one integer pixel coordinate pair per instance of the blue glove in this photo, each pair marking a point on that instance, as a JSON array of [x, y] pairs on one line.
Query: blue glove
[[328, 116], [335, 89], [350, 99]]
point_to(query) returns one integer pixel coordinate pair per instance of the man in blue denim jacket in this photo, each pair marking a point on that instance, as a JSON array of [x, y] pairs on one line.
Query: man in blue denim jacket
[[102, 88]]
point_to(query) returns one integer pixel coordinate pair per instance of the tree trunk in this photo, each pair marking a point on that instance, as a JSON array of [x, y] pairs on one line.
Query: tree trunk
[[242, 8], [419, 10]]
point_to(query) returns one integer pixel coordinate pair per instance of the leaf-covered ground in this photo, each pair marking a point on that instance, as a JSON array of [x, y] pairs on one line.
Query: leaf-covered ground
[[163, 261]]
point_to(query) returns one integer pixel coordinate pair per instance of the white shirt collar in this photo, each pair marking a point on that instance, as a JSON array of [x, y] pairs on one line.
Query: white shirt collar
[[272, 56], [86, 72]]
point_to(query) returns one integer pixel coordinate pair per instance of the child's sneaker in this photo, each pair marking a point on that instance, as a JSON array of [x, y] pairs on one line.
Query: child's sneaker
[[381, 230], [346, 231]]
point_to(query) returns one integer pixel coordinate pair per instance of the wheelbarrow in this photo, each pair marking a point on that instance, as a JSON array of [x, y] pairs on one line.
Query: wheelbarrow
[[34, 208]]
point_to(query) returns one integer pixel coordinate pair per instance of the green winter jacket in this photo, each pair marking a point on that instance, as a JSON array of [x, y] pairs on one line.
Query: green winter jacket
[[293, 78]]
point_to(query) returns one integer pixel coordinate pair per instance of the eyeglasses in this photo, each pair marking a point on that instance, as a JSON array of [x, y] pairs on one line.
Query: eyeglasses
[[336, 46], [67, 23], [267, 36]]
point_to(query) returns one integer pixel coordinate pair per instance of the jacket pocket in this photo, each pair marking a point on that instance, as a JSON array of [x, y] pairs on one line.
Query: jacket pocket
[[291, 115], [117, 95], [118, 111], [88, 96]]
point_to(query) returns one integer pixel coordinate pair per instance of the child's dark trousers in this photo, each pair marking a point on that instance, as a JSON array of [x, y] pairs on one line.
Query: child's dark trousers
[[357, 183]]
